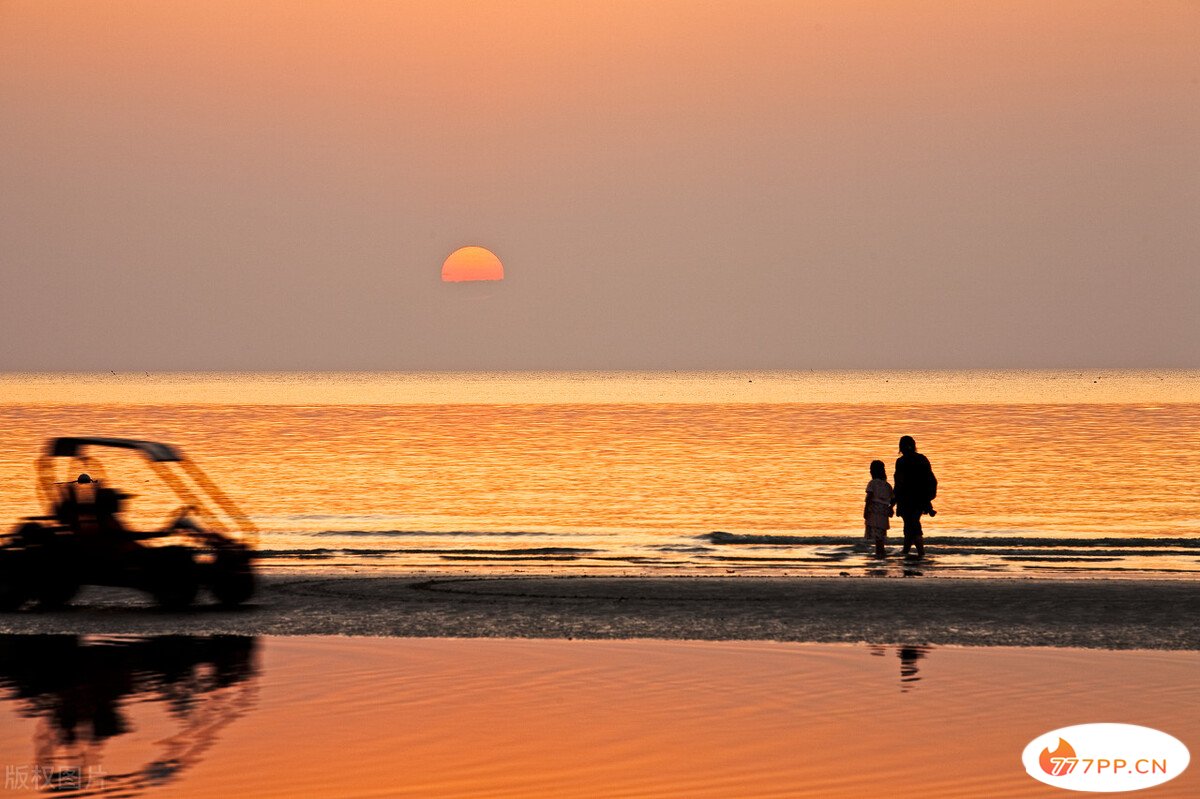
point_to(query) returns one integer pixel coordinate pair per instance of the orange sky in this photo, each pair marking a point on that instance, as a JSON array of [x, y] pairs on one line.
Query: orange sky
[[785, 176]]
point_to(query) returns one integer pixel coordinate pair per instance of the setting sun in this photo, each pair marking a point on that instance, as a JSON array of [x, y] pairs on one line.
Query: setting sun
[[472, 263]]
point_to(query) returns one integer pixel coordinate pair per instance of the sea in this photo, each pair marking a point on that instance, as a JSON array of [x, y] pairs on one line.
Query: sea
[[1041, 473]]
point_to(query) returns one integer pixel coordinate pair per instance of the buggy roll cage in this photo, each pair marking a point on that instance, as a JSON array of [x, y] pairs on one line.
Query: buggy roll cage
[[190, 484]]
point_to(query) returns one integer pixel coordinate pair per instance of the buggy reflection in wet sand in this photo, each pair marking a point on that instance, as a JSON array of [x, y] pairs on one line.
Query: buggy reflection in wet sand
[[86, 692], [82, 539]]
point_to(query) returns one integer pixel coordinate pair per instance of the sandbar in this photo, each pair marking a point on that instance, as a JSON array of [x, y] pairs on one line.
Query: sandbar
[[1087, 613]]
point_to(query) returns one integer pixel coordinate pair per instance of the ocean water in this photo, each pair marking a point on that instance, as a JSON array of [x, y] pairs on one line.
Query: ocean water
[[1039, 472]]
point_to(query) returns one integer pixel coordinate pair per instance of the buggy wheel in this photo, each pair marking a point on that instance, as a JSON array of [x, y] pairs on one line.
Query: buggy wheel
[[54, 568], [171, 576], [56, 587], [32, 534], [232, 577], [14, 579]]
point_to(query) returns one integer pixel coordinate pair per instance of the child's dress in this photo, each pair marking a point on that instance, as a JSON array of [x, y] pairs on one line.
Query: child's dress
[[878, 509]]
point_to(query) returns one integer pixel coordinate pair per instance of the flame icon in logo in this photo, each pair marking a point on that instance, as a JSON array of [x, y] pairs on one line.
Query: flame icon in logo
[[1056, 763]]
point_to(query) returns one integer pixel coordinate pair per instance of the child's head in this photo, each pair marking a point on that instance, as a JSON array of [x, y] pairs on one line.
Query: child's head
[[878, 470]]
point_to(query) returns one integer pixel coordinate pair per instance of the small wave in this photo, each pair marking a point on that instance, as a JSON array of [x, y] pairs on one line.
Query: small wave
[[719, 537], [529, 551], [296, 554], [320, 517], [1059, 559], [508, 558], [425, 534], [1110, 542], [751, 559], [325, 552], [1083, 552], [293, 553]]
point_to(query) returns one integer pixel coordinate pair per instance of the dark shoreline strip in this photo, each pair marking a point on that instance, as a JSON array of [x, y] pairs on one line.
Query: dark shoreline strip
[[1086, 613]]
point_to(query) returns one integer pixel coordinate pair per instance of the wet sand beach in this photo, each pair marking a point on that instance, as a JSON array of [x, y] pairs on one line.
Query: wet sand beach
[[1101, 614], [274, 717]]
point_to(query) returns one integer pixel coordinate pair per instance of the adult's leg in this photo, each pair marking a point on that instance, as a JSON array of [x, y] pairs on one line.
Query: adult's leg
[[918, 536], [913, 533]]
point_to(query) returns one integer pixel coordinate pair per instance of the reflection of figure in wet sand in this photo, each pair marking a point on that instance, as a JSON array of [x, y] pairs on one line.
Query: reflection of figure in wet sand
[[909, 655], [78, 691]]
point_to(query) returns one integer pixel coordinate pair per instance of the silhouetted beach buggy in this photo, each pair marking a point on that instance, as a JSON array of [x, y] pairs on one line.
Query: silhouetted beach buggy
[[82, 540]]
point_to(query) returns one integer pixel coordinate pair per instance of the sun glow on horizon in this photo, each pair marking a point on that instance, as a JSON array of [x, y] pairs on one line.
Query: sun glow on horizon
[[472, 263]]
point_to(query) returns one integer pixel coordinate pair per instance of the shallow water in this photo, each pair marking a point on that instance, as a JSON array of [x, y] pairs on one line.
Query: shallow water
[[197, 717], [1040, 472]]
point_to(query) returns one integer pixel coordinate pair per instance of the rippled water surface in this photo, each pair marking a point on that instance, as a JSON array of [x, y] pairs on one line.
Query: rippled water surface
[[1042, 472], [226, 716]]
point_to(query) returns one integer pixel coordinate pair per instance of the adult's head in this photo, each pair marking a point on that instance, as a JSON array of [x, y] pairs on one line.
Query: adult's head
[[907, 445]]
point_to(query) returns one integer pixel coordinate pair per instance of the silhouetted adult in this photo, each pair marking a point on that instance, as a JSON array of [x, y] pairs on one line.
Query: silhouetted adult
[[916, 488], [77, 500]]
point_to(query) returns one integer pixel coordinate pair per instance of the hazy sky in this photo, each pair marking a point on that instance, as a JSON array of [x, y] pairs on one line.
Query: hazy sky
[[741, 185]]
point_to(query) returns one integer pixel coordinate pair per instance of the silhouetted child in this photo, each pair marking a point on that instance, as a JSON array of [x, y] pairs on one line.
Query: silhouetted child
[[878, 508]]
